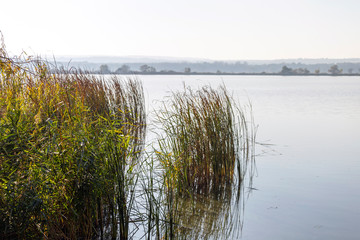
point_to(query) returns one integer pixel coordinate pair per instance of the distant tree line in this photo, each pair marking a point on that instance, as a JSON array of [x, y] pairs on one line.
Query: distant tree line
[[333, 70], [218, 68], [126, 69]]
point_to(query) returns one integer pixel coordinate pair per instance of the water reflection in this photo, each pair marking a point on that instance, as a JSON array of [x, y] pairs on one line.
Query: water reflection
[[216, 216], [316, 132]]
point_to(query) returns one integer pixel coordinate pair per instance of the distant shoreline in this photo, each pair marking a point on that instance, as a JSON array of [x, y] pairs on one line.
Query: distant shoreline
[[232, 74]]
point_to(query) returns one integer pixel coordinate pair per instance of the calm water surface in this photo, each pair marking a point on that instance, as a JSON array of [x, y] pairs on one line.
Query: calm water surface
[[308, 181]]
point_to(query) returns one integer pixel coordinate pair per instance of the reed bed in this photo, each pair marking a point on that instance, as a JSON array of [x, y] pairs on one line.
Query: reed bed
[[70, 146], [72, 163], [205, 147]]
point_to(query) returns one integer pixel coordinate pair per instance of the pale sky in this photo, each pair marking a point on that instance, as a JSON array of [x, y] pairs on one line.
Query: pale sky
[[218, 30]]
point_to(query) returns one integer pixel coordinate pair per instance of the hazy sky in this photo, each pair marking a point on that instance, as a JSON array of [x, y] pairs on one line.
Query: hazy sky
[[223, 29]]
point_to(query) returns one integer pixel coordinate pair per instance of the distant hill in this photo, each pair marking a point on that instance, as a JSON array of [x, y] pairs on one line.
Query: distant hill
[[127, 59], [159, 59]]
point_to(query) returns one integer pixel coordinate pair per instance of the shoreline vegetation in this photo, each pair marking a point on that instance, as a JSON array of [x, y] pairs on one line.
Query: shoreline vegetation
[[218, 68], [75, 164], [70, 147], [232, 74], [334, 70]]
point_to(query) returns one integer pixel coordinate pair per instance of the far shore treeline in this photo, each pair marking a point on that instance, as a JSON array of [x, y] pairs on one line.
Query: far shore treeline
[[346, 68]]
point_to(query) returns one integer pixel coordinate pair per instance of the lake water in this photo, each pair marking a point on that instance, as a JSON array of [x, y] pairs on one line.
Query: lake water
[[308, 181]]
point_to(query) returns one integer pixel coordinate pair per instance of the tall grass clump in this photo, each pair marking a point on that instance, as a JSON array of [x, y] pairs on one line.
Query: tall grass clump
[[205, 135], [205, 147], [70, 146]]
